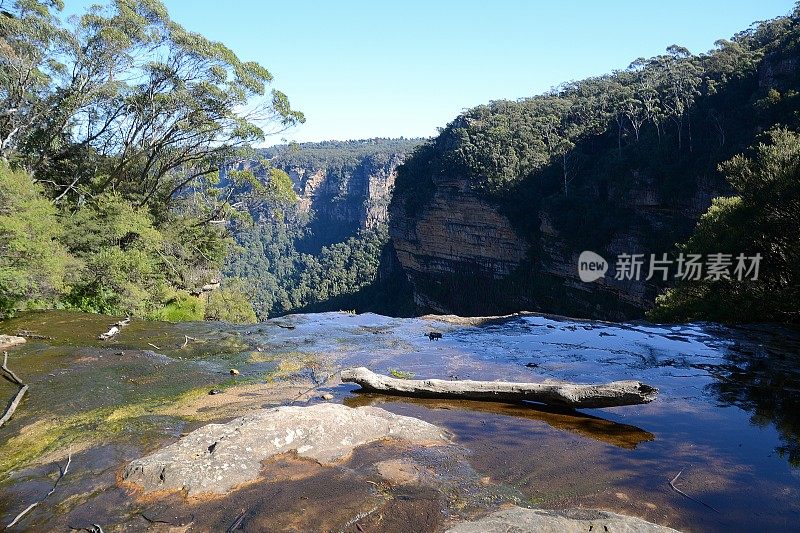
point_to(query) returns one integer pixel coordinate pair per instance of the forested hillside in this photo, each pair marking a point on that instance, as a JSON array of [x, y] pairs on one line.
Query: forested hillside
[[621, 163], [322, 248], [113, 126]]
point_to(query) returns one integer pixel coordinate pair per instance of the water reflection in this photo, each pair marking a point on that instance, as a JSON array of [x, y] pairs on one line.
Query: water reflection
[[593, 427], [761, 375]]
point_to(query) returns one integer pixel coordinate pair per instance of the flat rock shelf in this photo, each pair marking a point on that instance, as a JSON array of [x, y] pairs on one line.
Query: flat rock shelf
[[218, 457]]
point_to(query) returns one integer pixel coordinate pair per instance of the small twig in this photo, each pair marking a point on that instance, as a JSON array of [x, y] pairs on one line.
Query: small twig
[[186, 342], [158, 521], [153, 345], [62, 473], [359, 517], [679, 491], [237, 522]]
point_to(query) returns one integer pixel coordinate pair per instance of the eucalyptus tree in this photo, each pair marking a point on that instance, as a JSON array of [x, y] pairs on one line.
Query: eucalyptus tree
[[680, 78], [124, 117], [123, 98], [645, 79]]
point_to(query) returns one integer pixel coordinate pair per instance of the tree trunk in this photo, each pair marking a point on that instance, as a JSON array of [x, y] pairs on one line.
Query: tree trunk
[[612, 394]]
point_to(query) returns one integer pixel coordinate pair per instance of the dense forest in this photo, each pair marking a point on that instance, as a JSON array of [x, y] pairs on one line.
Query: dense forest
[[574, 154], [341, 156], [322, 256], [113, 126]]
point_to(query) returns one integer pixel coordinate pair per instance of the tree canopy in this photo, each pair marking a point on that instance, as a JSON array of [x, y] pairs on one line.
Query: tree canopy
[[761, 218], [121, 118]]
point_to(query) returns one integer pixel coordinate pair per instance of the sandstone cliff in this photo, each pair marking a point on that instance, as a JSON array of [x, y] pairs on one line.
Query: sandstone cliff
[[343, 186], [351, 198], [462, 255], [457, 232]]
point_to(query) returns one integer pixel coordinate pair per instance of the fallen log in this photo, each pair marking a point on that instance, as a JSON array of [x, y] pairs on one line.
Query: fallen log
[[112, 332], [28, 335], [614, 394], [12, 407]]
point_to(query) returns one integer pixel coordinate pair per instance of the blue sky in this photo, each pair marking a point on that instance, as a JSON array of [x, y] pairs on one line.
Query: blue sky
[[361, 69]]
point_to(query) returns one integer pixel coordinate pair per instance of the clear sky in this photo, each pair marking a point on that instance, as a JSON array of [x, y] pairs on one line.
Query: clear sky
[[361, 69]]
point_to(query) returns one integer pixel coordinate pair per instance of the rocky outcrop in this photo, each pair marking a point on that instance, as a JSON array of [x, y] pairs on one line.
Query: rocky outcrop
[[8, 341], [217, 457], [521, 520], [345, 186], [356, 196]]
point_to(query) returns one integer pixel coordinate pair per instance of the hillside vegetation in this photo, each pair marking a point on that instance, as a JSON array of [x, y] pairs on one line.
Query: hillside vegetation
[[291, 260], [574, 154], [112, 128]]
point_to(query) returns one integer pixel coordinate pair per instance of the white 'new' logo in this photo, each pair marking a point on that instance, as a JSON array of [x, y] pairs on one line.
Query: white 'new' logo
[[591, 266]]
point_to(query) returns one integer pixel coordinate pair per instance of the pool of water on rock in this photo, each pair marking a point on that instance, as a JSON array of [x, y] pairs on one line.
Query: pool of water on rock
[[727, 418]]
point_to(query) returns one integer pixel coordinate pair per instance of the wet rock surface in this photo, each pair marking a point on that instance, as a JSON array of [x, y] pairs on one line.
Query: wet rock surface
[[726, 417], [217, 457], [520, 520]]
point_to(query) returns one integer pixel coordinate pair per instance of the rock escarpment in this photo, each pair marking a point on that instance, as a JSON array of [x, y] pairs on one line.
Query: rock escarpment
[[344, 186], [491, 216], [456, 234], [463, 255], [354, 197]]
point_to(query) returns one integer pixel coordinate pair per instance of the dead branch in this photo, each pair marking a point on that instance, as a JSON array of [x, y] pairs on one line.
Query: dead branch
[[237, 522], [13, 405], [62, 473], [109, 334], [159, 521], [114, 329], [9, 375], [576, 395], [186, 342], [29, 335]]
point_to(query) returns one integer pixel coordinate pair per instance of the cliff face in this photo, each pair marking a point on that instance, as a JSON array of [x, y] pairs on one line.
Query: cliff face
[[343, 186], [463, 256], [491, 216], [349, 198], [456, 233]]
